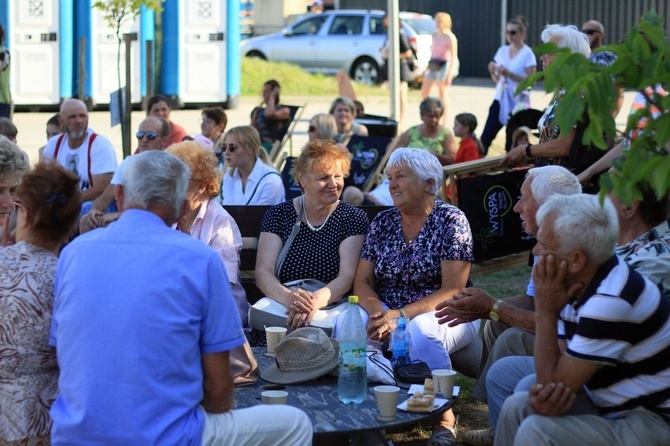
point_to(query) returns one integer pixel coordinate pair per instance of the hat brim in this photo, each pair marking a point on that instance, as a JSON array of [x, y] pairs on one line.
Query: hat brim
[[274, 375]]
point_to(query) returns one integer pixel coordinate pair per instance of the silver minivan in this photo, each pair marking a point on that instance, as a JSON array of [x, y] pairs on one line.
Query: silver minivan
[[348, 40]]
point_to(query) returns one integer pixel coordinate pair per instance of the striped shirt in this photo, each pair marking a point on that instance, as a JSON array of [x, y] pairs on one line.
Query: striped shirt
[[623, 324]]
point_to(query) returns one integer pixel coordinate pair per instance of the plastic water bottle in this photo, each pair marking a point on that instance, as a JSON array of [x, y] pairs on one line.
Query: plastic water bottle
[[400, 343], [352, 381]]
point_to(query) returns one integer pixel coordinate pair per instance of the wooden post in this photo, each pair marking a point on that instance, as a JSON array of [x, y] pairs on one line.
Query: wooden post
[[82, 67], [127, 103], [150, 71]]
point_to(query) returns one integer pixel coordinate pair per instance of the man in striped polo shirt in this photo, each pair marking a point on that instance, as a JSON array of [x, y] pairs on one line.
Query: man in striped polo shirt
[[601, 327]]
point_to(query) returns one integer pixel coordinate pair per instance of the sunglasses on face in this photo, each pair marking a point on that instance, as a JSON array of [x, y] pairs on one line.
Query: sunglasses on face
[[149, 135], [511, 32], [589, 32], [229, 147]]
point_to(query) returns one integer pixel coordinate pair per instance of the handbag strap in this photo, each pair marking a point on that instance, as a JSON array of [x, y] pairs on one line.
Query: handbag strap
[[287, 245], [258, 184]]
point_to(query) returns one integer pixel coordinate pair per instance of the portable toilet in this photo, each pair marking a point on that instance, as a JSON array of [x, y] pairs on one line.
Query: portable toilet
[[39, 37], [194, 51]]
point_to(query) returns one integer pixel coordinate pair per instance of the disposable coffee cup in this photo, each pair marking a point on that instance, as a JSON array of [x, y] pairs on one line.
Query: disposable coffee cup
[[275, 397], [444, 380], [273, 335], [387, 402]]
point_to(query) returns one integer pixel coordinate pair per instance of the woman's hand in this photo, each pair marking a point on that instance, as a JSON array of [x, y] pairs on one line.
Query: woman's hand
[[514, 156], [301, 308], [381, 324]]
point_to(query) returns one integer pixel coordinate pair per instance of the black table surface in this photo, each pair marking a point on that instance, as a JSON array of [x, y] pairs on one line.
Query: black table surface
[[329, 416]]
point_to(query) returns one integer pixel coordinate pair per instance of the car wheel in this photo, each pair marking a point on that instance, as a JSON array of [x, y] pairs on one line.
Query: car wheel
[[256, 54], [365, 71]]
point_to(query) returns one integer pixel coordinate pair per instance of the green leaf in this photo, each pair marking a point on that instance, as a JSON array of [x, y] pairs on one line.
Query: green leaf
[[660, 179], [662, 125], [568, 111], [641, 51]]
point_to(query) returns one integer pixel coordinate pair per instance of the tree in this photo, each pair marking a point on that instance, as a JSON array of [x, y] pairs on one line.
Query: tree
[[117, 13], [643, 61]]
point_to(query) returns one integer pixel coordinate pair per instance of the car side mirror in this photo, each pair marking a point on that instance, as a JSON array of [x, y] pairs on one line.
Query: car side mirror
[[287, 32]]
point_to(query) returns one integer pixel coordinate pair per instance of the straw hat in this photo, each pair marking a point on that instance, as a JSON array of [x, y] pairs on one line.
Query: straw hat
[[303, 354]]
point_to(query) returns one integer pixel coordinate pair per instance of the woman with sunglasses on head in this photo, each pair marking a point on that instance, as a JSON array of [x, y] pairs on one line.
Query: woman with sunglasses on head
[[250, 179], [159, 106], [511, 64], [48, 202], [322, 126]]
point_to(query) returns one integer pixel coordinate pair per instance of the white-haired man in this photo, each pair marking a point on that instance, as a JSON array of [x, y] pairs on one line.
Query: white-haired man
[[601, 327], [146, 361]]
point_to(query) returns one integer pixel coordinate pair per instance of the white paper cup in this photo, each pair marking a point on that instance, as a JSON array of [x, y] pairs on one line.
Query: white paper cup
[[275, 397], [444, 381], [273, 335], [387, 402]]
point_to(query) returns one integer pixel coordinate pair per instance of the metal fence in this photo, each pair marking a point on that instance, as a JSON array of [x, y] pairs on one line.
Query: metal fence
[[477, 22]]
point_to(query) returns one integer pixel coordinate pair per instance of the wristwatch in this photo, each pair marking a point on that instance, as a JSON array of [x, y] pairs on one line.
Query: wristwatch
[[493, 314]]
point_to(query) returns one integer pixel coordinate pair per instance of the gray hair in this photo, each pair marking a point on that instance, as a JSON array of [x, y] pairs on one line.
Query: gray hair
[[550, 180], [567, 36], [582, 223], [155, 178], [12, 158], [420, 161], [431, 104], [344, 101], [326, 126]]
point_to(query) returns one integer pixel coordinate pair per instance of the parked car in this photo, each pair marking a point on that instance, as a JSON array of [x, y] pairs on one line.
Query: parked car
[[348, 40]]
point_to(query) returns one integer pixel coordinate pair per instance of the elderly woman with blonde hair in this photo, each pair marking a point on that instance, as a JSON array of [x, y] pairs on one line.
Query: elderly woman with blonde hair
[[416, 255], [322, 126], [206, 220], [344, 111], [314, 236], [250, 178]]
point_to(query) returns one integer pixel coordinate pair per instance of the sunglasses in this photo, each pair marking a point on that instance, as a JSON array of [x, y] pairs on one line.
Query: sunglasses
[[590, 32], [511, 32], [149, 135], [311, 129], [229, 147], [18, 204]]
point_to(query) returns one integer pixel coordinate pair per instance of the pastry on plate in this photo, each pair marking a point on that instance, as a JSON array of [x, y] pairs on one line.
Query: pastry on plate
[[420, 402]]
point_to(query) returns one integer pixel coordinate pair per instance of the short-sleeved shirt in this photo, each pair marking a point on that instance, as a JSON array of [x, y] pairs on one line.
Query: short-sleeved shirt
[[264, 187], [516, 65], [404, 273], [137, 304], [649, 254], [621, 322], [418, 141], [313, 254], [117, 178], [103, 157], [467, 150]]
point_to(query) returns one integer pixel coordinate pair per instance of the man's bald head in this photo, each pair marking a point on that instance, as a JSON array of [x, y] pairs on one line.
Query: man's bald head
[[595, 31], [74, 119]]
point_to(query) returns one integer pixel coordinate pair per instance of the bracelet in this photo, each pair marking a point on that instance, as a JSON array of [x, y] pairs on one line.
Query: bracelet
[[403, 313], [528, 154]]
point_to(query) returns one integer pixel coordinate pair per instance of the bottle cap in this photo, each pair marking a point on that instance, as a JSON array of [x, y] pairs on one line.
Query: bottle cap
[[353, 299]]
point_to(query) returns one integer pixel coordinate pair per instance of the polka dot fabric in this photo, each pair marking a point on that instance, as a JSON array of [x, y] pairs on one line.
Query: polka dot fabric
[[314, 255]]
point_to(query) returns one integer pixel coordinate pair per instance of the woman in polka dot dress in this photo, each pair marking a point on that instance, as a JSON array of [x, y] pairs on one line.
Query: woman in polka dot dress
[[326, 247]]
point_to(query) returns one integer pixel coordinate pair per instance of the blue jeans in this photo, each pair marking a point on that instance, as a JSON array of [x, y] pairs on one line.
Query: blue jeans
[[503, 378]]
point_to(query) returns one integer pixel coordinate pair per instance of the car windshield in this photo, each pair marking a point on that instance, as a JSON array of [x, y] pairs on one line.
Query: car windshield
[[421, 26]]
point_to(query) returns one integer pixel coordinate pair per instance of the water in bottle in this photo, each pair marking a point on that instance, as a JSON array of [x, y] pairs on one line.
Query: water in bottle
[[352, 381], [400, 343]]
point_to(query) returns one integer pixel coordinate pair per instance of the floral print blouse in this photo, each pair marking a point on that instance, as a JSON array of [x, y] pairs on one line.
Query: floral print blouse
[[28, 367], [404, 273]]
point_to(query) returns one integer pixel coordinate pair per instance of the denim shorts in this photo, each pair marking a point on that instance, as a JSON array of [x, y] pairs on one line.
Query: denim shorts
[[440, 76]]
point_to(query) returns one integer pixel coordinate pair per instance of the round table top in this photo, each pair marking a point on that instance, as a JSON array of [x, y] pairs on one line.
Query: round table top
[[329, 416]]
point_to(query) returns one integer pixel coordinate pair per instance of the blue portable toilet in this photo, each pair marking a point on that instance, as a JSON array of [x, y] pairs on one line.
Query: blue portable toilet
[[195, 58], [39, 37]]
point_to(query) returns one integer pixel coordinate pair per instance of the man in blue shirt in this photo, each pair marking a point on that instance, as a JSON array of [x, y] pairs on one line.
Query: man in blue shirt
[[143, 323]]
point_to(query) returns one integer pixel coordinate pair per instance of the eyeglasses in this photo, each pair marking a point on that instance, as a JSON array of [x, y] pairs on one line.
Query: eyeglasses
[[229, 147], [18, 204], [149, 135], [511, 32], [590, 32], [311, 129]]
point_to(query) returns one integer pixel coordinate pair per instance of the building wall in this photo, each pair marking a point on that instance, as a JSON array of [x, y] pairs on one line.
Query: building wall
[[477, 22]]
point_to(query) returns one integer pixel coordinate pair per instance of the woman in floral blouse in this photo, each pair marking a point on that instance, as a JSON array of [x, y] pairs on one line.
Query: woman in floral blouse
[[48, 202], [415, 256]]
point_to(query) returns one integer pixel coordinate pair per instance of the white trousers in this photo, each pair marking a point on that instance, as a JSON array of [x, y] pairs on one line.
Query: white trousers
[[262, 425]]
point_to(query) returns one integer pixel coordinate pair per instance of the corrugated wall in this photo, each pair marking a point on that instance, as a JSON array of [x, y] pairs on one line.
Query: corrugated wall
[[477, 22]]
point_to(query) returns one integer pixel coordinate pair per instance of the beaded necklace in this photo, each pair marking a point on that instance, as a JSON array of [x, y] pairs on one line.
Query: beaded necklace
[[322, 225]]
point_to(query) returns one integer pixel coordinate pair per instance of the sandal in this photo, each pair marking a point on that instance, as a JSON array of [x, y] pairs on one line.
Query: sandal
[[442, 436], [478, 437]]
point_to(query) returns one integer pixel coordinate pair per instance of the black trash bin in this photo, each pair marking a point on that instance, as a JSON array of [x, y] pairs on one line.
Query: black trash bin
[[379, 125]]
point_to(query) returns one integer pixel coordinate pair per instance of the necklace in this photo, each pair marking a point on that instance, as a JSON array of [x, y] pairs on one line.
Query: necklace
[[322, 225]]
